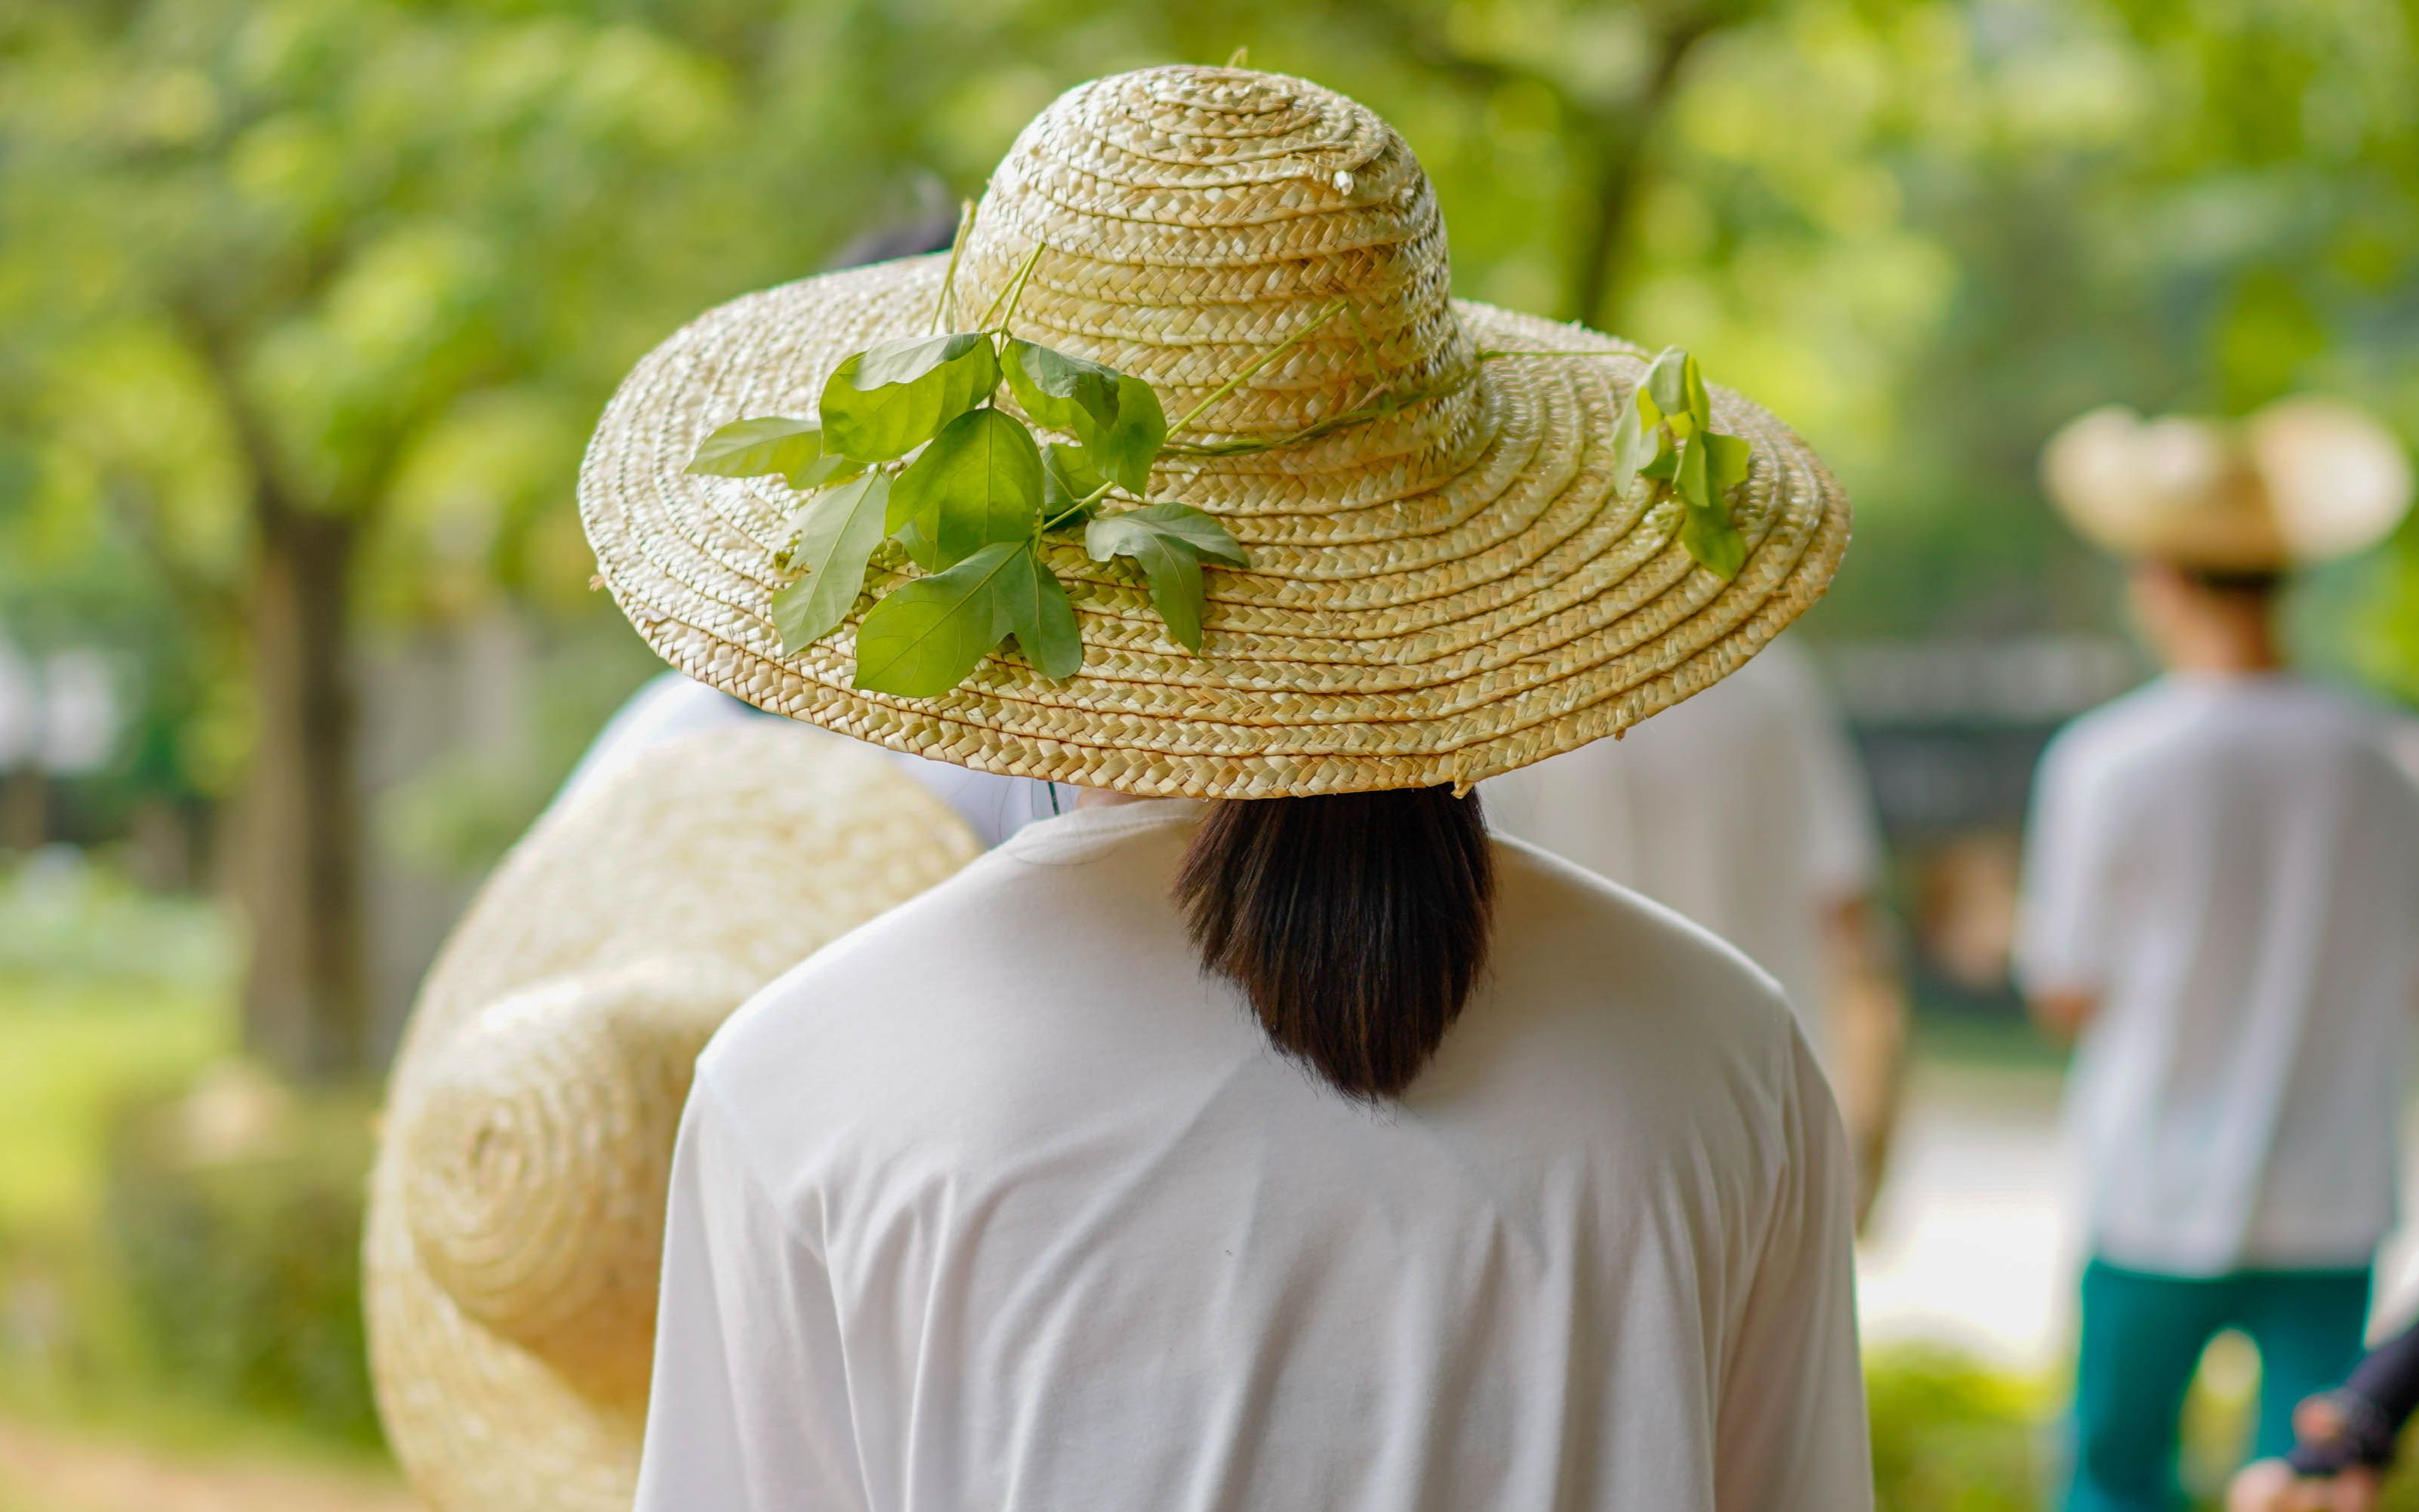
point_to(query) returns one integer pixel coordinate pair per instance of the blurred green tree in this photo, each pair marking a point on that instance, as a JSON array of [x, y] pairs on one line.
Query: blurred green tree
[[317, 297], [314, 302], [311, 302]]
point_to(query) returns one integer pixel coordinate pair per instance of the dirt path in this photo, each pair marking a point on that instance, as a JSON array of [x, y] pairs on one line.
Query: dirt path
[[46, 1471]]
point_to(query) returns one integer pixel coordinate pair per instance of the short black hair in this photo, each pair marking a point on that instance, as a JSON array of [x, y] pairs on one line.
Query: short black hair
[[2238, 582]]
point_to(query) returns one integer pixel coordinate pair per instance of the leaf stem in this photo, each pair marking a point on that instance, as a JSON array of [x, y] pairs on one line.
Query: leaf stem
[[1075, 508], [1485, 353], [949, 276], [1015, 286], [1334, 309]]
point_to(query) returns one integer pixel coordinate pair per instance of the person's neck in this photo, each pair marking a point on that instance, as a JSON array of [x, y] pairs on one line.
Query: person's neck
[[2247, 649]]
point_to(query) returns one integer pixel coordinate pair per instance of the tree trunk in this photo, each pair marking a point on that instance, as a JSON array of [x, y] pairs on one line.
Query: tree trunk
[[1613, 166], [298, 871]]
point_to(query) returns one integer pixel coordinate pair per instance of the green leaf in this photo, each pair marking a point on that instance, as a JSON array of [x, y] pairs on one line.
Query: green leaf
[[1713, 540], [905, 358], [1033, 604], [840, 530], [1689, 479], [1169, 564], [1068, 478], [1055, 388], [923, 638], [1667, 382], [1124, 449], [1705, 528], [768, 446], [1632, 447], [1665, 460], [977, 482], [1197, 529], [1726, 461], [888, 399], [1700, 403]]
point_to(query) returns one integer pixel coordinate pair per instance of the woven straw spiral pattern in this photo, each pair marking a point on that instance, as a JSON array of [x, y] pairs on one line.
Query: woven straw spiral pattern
[[515, 1223], [1437, 597]]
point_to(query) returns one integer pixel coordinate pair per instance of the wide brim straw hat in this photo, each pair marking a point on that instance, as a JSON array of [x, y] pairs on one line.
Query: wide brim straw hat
[[2301, 482], [515, 1221], [1445, 594]]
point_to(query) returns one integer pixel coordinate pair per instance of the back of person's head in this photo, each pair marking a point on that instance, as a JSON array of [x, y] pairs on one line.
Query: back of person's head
[[2251, 589], [1356, 924]]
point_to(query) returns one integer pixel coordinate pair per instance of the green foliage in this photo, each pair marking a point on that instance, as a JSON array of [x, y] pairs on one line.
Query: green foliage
[[886, 401], [972, 500], [791, 449], [1124, 447], [978, 482], [1170, 542], [1033, 605], [1949, 1435], [240, 1248], [922, 639], [1664, 433], [838, 534]]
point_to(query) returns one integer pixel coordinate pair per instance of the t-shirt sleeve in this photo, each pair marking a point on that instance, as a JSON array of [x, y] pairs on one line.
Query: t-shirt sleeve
[[1791, 1435], [2071, 845], [749, 1407]]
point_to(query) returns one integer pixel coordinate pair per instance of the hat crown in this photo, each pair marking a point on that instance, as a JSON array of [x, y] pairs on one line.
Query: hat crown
[[1196, 218]]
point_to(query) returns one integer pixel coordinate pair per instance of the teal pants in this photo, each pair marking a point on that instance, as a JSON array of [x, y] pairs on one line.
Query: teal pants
[[2143, 1336]]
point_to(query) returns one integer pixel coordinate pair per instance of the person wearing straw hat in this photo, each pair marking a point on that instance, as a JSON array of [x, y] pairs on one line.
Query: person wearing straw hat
[[1747, 810], [515, 1213], [1261, 1132], [2221, 873]]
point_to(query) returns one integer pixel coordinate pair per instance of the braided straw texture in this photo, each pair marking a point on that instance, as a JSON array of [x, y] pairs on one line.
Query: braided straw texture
[[1437, 597], [515, 1223]]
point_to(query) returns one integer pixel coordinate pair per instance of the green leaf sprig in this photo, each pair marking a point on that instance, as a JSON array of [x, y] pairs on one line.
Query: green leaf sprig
[[1664, 433], [916, 460]]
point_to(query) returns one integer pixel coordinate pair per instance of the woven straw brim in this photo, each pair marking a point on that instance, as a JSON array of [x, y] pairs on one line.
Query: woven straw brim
[[747, 849], [1384, 637]]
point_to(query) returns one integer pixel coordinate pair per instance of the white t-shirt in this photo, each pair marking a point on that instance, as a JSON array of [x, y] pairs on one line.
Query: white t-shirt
[[2231, 866], [1744, 808], [671, 704], [1000, 1202]]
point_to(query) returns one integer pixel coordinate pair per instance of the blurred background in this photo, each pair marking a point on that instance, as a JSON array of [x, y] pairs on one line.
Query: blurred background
[[306, 308]]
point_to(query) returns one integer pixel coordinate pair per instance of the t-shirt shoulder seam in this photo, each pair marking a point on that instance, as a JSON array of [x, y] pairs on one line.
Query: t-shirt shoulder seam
[[718, 1104]]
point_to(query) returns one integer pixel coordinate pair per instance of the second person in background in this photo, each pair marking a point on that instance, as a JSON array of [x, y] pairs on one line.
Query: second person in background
[[1747, 810], [2222, 880]]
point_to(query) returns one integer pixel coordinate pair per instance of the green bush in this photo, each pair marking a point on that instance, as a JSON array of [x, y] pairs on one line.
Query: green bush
[[66, 917], [233, 1215], [1950, 1435]]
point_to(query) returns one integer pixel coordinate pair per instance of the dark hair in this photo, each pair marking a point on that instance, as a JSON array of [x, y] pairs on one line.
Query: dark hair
[[2236, 584], [1355, 922]]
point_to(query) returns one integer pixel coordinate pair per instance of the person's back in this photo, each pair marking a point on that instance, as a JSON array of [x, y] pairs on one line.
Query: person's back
[[2242, 854], [1030, 1190]]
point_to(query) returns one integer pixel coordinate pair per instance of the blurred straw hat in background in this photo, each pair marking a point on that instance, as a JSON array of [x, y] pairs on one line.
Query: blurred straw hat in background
[[515, 1223], [2301, 482], [1447, 592]]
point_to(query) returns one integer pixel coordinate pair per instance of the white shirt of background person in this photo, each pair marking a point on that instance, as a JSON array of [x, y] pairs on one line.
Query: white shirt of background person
[[2229, 865], [671, 705], [1743, 809]]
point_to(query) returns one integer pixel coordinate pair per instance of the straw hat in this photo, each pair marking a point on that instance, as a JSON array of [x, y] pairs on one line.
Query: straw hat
[[1435, 598], [2301, 482], [516, 1222]]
